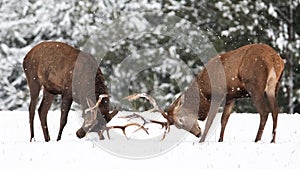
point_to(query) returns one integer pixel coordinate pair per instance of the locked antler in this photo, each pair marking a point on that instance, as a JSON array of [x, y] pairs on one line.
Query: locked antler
[[155, 108], [123, 128], [93, 121], [165, 125]]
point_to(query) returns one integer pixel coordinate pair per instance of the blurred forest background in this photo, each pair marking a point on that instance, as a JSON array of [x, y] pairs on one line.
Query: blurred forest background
[[162, 39]]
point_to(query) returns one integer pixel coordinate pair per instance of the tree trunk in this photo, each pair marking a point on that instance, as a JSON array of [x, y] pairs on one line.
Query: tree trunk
[[290, 63]]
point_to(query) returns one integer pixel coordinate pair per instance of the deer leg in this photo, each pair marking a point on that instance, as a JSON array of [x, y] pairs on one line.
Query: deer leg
[[274, 108], [211, 116], [263, 120], [271, 97], [65, 108], [35, 88], [43, 111], [262, 107], [224, 119]]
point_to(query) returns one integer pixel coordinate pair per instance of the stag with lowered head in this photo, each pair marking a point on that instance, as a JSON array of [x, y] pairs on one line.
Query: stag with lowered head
[[58, 68], [250, 71]]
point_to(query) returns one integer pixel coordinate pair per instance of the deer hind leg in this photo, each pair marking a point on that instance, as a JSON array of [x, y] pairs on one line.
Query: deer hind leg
[[259, 99], [274, 108], [34, 87], [271, 94], [65, 108], [43, 111], [224, 119], [262, 108]]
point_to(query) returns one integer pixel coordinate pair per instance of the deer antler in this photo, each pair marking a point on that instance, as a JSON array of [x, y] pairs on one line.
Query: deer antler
[[94, 120], [123, 128], [146, 121], [155, 108], [89, 102], [165, 125], [97, 104], [151, 100]]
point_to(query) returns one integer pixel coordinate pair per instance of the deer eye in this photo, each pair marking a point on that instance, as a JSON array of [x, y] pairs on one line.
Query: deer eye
[[181, 121]]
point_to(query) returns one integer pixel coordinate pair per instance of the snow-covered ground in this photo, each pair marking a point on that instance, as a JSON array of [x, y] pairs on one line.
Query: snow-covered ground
[[237, 151]]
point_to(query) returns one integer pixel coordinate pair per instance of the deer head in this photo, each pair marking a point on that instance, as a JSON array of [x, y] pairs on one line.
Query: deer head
[[184, 112], [94, 120], [181, 114]]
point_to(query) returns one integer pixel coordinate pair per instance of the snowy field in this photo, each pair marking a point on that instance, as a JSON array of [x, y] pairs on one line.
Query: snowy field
[[237, 151]]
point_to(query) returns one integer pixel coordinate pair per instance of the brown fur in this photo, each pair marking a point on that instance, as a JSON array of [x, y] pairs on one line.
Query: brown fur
[[249, 71], [52, 66]]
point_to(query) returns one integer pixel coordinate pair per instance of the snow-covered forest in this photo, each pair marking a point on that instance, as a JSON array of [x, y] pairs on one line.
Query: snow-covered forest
[[157, 47], [148, 45]]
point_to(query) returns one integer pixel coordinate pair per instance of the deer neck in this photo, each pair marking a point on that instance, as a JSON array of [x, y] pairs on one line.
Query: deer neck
[[204, 106]]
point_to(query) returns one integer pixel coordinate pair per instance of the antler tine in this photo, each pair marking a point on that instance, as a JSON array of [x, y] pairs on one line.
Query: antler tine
[[155, 108], [94, 120], [97, 104], [163, 124], [151, 100], [134, 115], [166, 125], [123, 128], [148, 97], [89, 103]]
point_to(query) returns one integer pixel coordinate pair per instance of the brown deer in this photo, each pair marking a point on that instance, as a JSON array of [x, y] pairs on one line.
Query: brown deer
[[249, 71], [58, 68]]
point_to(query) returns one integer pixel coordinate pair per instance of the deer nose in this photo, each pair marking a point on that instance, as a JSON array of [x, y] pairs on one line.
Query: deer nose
[[81, 133], [199, 132]]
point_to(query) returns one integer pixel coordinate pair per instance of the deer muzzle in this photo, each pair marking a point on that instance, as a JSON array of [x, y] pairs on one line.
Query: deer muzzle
[[80, 133], [189, 124], [196, 130]]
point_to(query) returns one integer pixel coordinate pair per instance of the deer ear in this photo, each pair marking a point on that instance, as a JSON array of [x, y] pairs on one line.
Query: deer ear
[[180, 102], [182, 98]]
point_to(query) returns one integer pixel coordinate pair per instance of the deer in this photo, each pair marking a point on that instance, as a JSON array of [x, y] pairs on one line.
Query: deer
[[60, 69], [253, 70]]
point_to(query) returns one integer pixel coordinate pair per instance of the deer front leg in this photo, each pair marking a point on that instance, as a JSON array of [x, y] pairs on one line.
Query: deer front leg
[[34, 87], [224, 119], [214, 107]]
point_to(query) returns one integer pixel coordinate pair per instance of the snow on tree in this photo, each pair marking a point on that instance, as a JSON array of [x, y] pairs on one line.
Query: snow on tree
[[37, 21]]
